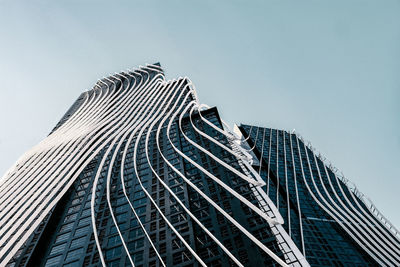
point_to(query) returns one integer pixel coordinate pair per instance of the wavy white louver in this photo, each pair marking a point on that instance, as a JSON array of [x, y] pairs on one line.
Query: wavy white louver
[[122, 108], [380, 241], [356, 195], [50, 186], [345, 204]]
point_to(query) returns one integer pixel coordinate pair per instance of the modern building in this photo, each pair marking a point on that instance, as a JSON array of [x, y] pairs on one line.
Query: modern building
[[330, 221], [139, 173]]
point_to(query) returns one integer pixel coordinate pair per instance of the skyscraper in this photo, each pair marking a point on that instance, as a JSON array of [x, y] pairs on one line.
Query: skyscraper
[[331, 222], [139, 173]]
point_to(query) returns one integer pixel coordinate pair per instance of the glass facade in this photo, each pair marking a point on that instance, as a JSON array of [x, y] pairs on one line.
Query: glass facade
[[330, 222]]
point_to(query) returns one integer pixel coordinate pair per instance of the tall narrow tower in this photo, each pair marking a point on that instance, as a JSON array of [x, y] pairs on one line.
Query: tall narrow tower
[[330, 221]]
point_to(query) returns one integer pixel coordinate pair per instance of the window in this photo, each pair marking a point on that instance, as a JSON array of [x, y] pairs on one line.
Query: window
[[137, 256], [180, 257], [134, 245], [138, 195], [78, 242], [74, 209], [139, 202], [70, 218], [163, 248], [57, 249], [114, 263], [72, 264], [66, 227], [74, 254], [114, 252], [114, 240], [82, 231], [85, 213], [122, 208], [135, 233], [85, 221], [140, 210], [63, 237], [53, 261]]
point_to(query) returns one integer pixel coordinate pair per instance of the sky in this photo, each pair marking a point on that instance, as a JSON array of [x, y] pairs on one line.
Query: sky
[[329, 69]]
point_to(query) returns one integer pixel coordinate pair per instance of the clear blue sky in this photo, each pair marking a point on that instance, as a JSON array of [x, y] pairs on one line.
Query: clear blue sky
[[329, 69]]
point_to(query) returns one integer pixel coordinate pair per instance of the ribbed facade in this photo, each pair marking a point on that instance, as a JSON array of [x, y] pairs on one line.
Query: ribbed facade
[[330, 221], [139, 173]]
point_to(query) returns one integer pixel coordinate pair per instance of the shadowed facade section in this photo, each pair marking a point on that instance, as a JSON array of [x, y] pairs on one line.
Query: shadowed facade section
[[330, 221]]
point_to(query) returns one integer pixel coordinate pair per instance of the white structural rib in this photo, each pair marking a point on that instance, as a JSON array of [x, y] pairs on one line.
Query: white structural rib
[[287, 185], [262, 152], [213, 177], [297, 198], [289, 246], [169, 189], [227, 166], [144, 96], [340, 219], [269, 160], [232, 220], [183, 205], [119, 139], [159, 210], [142, 105], [174, 195], [132, 134]]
